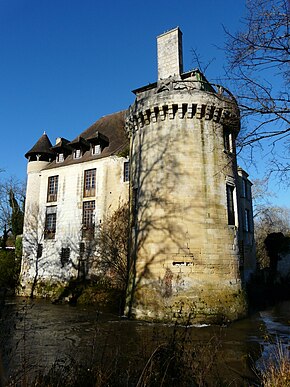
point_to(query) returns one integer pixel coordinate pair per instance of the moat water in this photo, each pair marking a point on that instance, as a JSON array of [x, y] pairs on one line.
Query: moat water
[[34, 334]]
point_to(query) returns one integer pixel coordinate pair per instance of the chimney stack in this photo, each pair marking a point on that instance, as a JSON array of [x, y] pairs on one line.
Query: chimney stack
[[169, 54]]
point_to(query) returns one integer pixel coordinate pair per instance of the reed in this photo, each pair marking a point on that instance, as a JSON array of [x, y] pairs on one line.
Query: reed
[[276, 371]]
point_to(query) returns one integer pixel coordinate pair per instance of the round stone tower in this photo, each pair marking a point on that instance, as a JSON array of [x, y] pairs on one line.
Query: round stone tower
[[39, 156], [184, 201]]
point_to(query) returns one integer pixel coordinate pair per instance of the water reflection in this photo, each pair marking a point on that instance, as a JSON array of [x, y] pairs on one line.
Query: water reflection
[[35, 334]]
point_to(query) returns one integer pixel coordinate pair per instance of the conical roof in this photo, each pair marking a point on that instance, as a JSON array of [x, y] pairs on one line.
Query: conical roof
[[42, 147]]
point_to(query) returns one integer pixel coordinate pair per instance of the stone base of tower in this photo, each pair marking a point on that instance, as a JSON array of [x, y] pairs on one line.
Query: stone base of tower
[[211, 303]]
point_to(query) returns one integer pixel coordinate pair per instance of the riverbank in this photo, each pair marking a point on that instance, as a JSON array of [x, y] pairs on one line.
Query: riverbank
[[38, 338]]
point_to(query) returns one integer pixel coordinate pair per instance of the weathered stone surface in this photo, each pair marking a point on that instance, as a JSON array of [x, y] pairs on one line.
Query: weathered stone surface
[[187, 255]]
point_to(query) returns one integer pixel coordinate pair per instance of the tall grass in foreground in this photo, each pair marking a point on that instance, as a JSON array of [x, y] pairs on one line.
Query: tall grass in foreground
[[276, 372]]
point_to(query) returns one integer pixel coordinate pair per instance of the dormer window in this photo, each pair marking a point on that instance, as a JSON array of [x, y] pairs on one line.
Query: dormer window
[[96, 149], [77, 154], [59, 157], [98, 142]]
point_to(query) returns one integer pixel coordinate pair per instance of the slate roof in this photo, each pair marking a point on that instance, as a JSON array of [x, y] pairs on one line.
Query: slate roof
[[110, 129], [62, 145], [42, 147]]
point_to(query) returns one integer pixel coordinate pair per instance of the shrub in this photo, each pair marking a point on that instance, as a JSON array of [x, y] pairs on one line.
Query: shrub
[[9, 269]]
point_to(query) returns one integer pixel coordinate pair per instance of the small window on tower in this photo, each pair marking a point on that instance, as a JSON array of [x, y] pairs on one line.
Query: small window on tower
[[228, 141], [230, 204], [245, 188], [247, 220], [126, 171]]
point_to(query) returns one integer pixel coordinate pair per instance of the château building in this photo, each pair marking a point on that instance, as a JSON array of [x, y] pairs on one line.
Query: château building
[[172, 155]]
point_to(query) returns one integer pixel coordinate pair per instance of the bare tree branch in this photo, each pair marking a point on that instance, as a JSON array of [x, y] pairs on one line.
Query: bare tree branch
[[259, 68]]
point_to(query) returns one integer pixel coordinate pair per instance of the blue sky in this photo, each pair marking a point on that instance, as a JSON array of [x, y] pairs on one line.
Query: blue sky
[[65, 63]]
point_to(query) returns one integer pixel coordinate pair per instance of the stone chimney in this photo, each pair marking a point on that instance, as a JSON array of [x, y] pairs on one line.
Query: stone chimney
[[169, 54]]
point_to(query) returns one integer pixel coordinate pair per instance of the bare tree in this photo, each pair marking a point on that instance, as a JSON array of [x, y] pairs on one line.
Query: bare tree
[[261, 197], [12, 197], [259, 59], [112, 246], [271, 220]]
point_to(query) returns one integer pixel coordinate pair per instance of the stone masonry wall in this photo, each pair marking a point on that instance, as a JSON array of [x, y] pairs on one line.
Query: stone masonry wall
[[186, 253], [111, 191], [169, 48]]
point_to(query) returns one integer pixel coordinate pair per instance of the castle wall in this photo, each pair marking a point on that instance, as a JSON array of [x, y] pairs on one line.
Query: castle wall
[[246, 229], [111, 191], [185, 251]]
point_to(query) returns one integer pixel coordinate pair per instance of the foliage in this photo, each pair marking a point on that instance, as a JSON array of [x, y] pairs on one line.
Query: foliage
[[18, 247], [112, 246], [125, 152], [12, 197], [9, 269], [270, 220], [17, 215], [259, 58]]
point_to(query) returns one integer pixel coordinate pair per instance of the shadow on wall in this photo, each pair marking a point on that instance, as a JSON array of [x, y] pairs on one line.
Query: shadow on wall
[[158, 221]]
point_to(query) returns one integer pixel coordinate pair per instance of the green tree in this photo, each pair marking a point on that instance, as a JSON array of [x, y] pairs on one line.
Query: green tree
[[17, 215], [12, 197]]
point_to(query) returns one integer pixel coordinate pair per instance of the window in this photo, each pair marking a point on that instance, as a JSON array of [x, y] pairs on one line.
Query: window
[[90, 182], [247, 221], [39, 250], [77, 154], [228, 142], [52, 189], [230, 204], [134, 205], [50, 222], [245, 188], [59, 157], [64, 256], [126, 171], [88, 215], [96, 149], [81, 249]]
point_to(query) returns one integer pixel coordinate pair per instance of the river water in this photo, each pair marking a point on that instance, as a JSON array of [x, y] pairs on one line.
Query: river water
[[34, 334]]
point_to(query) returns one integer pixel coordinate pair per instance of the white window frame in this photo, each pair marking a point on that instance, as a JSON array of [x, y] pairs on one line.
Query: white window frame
[[60, 158], [77, 153], [96, 149]]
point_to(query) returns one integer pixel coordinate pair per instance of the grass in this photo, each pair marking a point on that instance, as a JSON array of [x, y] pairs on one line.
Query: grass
[[276, 371]]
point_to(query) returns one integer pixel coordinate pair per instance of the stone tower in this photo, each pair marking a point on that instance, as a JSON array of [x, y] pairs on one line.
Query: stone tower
[[39, 156], [184, 195]]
